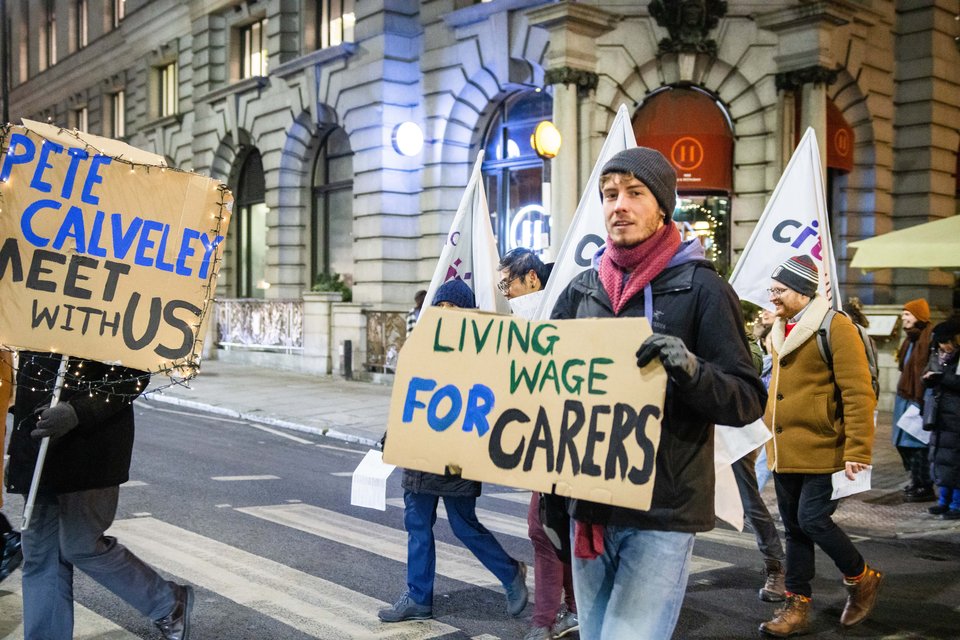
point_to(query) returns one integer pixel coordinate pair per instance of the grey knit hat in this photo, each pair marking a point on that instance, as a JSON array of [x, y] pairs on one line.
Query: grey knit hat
[[800, 274], [652, 169]]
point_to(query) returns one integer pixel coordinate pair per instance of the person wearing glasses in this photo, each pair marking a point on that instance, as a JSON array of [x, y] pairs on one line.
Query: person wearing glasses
[[822, 422], [521, 272], [630, 567], [555, 609]]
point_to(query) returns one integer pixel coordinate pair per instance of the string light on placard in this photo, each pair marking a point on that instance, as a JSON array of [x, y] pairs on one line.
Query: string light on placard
[[121, 382]]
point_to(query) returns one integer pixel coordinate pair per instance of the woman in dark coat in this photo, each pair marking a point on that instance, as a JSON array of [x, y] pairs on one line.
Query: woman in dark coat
[[943, 378], [422, 493]]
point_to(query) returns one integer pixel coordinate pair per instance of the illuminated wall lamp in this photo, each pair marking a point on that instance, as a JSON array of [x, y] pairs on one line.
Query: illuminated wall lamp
[[546, 140], [408, 138]]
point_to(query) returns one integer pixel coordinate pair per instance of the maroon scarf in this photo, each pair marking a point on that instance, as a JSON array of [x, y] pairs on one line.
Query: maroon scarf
[[643, 262]]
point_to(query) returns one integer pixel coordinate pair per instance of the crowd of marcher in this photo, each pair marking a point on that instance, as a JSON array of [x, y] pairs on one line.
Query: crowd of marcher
[[626, 572]]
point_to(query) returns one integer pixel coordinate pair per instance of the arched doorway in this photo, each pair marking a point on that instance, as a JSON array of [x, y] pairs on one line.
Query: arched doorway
[[513, 173], [840, 141], [331, 238], [693, 130], [250, 229]]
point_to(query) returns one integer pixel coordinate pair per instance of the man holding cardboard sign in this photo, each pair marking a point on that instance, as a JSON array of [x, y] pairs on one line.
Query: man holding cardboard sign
[[630, 567]]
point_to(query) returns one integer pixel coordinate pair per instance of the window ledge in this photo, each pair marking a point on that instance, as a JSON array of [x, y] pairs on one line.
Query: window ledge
[[480, 12], [318, 57], [163, 121], [240, 86]]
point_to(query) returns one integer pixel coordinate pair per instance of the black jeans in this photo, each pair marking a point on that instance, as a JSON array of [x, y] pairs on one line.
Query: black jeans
[[806, 507]]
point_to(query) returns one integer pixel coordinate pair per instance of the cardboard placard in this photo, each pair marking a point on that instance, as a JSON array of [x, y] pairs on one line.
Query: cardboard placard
[[555, 405], [106, 253]]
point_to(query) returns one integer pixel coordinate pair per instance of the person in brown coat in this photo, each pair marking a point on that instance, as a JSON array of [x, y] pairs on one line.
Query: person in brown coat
[[822, 422], [912, 360]]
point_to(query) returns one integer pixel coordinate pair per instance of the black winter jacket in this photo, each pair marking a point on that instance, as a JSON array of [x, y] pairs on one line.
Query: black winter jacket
[[437, 485], [690, 301], [93, 455], [944, 444]]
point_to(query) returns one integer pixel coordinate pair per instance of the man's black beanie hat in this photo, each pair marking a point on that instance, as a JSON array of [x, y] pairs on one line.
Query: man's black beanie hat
[[652, 169]]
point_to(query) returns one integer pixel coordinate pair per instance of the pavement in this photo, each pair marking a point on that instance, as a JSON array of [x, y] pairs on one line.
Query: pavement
[[357, 412]]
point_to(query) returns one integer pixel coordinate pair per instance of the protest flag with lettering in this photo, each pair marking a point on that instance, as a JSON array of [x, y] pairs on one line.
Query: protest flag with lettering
[[587, 232], [470, 252], [794, 222], [107, 253]]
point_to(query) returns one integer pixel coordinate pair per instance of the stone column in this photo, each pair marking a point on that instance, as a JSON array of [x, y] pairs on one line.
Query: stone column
[[570, 63]]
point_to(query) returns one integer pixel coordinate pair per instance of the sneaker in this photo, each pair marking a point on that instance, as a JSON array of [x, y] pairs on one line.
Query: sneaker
[[938, 509], [539, 633], [517, 593], [952, 514], [12, 555], [567, 622], [861, 597], [176, 625], [774, 582], [405, 609]]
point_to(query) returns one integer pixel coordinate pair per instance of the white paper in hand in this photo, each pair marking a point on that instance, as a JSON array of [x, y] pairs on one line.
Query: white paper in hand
[[369, 486], [843, 487], [912, 423]]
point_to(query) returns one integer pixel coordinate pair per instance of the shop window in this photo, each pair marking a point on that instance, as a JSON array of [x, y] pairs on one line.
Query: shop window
[[253, 54], [693, 130], [335, 20], [513, 173], [250, 222], [332, 214]]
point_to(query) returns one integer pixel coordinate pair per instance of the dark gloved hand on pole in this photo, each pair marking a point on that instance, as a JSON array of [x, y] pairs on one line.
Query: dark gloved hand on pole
[[56, 421]]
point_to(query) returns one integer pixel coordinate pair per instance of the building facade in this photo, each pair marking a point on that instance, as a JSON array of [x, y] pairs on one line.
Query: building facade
[[298, 105]]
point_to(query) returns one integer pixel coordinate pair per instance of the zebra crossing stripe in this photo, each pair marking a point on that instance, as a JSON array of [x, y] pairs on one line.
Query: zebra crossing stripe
[[87, 625], [517, 527], [452, 561], [307, 603]]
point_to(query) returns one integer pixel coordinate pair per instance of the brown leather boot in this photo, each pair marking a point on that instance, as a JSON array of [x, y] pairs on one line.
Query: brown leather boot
[[773, 584], [793, 619], [861, 598]]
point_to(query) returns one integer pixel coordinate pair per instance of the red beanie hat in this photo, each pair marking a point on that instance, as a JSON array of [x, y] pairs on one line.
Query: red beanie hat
[[919, 308]]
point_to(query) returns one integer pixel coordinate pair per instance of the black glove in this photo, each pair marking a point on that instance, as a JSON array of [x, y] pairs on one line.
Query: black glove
[[681, 365], [56, 421]]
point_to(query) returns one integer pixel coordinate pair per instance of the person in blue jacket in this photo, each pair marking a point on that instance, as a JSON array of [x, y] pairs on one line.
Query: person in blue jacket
[[422, 492]]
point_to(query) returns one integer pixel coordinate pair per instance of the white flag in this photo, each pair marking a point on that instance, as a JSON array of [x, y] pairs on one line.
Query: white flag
[[470, 253], [794, 223], [587, 232]]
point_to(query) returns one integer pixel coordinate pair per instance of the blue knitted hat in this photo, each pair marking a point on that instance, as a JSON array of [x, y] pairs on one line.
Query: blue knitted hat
[[457, 293]]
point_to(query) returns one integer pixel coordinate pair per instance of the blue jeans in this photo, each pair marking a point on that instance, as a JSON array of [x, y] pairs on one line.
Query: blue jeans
[[755, 512], [635, 588], [66, 531], [763, 473], [419, 516], [805, 508]]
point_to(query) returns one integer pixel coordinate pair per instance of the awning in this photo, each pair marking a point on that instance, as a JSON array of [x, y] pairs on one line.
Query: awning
[[931, 245]]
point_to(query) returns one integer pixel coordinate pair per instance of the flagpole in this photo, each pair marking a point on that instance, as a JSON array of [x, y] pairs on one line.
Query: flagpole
[[44, 445]]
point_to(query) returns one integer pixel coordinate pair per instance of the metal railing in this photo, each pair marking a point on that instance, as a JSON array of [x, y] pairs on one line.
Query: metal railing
[[266, 325], [386, 331]]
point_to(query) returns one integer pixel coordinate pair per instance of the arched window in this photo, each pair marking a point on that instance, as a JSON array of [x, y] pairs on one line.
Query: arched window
[[692, 129], [513, 173], [250, 228], [332, 216]]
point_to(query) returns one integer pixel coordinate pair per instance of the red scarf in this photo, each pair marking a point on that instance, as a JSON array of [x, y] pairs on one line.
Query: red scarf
[[643, 262]]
